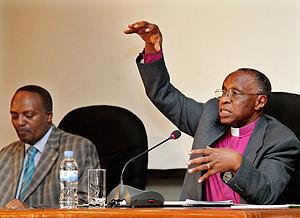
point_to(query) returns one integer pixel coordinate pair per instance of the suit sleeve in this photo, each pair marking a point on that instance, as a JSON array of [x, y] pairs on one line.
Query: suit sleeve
[[182, 111], [264, 181]]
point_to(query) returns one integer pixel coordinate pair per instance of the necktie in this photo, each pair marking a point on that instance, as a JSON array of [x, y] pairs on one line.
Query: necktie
[[28, 172]]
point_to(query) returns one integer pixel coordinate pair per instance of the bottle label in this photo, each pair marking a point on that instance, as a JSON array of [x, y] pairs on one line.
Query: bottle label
[[68, 175]]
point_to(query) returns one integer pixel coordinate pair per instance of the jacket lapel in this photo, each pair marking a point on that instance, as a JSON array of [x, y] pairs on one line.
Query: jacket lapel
[[17, 164], [208, 132], [256, 140], [255, 143], [48, 158]]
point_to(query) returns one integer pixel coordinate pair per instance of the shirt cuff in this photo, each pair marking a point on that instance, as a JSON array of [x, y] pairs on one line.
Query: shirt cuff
[[150, 58]]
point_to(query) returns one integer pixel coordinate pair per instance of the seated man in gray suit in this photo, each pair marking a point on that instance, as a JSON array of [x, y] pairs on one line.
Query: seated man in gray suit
[[31, 116], [238, 153]]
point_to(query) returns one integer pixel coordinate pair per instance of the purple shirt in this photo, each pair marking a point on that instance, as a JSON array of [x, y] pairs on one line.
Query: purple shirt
[[150, 58], [235, 139]]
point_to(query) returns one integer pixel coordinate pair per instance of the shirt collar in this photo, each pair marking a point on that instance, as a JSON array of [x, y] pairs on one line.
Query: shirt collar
[[245, 130]]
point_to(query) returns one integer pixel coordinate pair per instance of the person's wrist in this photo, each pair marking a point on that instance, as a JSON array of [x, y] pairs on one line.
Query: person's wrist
[[227, 176], [149, 48], [237, 164]]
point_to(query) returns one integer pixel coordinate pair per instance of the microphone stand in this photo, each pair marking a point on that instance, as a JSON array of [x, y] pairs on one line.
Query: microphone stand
[[135, 197], [144, 152]]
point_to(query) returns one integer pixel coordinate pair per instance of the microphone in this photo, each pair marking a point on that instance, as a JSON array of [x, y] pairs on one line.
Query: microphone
[[135, 197]]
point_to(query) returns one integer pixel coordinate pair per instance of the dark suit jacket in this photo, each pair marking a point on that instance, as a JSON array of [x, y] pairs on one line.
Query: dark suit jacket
[[269, 158], [44, 188]]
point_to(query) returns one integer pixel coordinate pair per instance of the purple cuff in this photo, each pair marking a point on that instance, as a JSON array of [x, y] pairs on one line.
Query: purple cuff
[[150, 58]]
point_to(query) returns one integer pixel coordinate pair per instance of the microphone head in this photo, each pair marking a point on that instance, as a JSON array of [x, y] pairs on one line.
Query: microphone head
[[175, 134]]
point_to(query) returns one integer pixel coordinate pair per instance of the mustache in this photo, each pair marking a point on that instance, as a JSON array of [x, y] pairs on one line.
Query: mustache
[[23, 129]]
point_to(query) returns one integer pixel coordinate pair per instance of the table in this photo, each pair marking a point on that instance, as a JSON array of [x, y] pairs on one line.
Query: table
[[184, 212]]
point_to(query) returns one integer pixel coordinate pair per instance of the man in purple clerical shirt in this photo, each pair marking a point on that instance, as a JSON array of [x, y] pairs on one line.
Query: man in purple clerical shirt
[[238, 153]]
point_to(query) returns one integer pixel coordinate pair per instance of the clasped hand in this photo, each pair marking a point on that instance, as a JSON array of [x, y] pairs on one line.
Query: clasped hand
[[214, 160], [15, 204]]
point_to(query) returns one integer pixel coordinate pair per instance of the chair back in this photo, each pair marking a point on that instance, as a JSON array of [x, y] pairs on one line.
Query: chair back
[[118, 135], [285, 107]]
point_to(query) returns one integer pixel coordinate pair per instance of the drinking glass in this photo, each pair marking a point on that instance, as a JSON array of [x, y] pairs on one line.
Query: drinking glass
[[96, 187]]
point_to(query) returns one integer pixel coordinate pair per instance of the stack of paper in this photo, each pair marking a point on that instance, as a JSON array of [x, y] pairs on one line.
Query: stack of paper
[[189, 202]]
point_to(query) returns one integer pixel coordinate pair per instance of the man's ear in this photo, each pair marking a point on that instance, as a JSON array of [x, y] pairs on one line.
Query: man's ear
[[49, 116], [261, 102]]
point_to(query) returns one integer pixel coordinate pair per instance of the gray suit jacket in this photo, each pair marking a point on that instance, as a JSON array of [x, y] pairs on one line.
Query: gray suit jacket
[[44, 188], [269, 158]]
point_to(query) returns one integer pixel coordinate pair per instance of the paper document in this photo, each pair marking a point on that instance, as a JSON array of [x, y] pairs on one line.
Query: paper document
[[189, 202], [254, 206]]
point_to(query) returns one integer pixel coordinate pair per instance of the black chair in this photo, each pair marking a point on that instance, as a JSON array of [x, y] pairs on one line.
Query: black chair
[[118, 135], [285, 107]]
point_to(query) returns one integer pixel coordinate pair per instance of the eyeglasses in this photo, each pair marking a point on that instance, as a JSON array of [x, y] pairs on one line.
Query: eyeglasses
[[232, 94]]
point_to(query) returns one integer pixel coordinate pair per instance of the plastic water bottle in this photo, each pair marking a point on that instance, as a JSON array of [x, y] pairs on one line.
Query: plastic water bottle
[[68, 176]]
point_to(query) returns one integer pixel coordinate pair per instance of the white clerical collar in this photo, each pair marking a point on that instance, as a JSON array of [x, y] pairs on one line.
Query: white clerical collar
[[243, 131], [235, 131]]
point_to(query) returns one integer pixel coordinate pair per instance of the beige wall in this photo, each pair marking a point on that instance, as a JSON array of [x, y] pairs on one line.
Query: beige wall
[[76, 49]]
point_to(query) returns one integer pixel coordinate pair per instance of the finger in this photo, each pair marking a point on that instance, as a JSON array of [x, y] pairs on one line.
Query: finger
[[147, 27], [134, 27], [138, 31], [137, 25], [7, 205], [202, 178], [16, 204], [202, 151], [140, 24], [141, 31], [199, 160], [130, 31], [11, 205], [196, 151], [204, 166], [151, 28], [206, 176]]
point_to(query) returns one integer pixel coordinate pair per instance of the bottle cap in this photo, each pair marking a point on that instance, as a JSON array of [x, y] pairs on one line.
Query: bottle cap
[[68, 153]]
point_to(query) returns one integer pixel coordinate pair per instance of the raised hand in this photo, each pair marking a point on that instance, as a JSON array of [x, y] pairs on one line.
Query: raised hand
[[149, 33]]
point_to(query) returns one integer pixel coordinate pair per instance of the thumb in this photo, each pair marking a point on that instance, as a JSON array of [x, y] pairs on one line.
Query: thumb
[[156, 39], [157, 46]]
